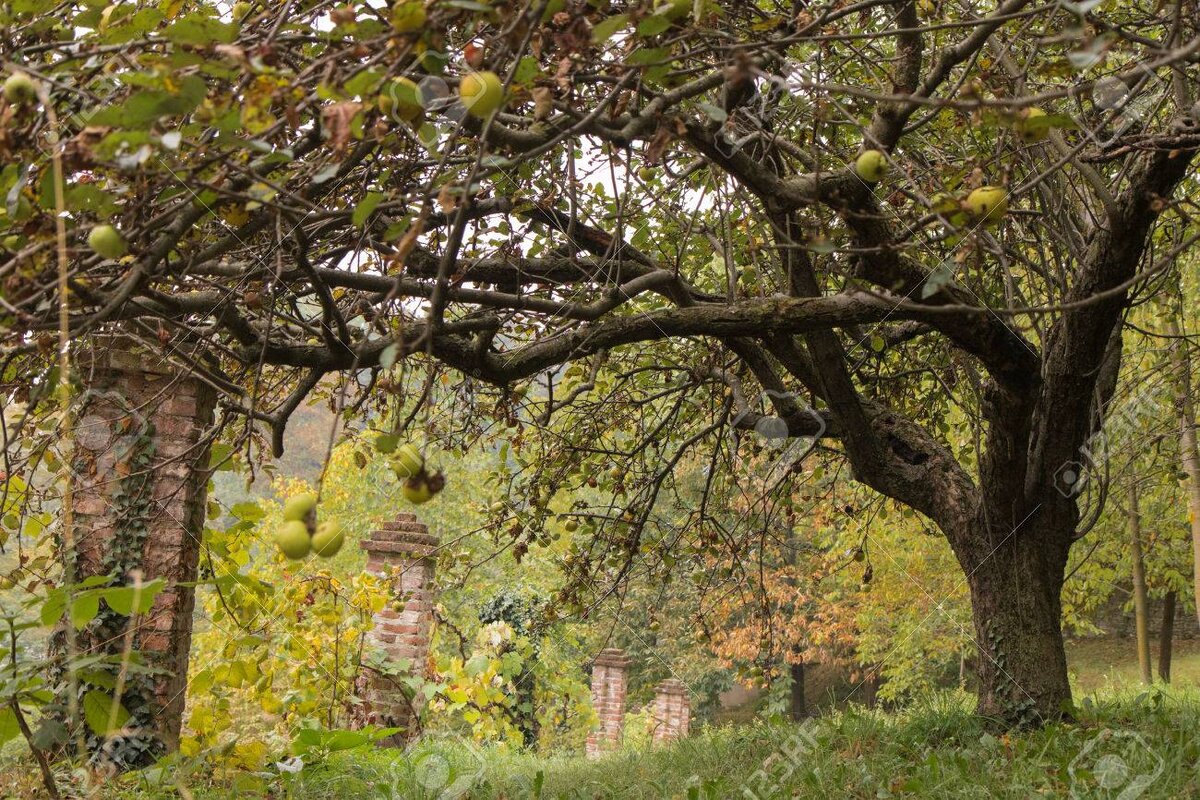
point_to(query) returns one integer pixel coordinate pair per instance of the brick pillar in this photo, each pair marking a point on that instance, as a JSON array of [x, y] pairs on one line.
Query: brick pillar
[[140, 479], [402, 553], [672, 711], [608, 699]]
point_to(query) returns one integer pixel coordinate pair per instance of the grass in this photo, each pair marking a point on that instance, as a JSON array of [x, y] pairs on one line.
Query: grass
[[935, 749], [1124, 734], [1106, 663]]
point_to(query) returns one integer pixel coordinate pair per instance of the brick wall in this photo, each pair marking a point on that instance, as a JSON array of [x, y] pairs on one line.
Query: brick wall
[[672, 711], [402, 553], [608, 700], [130, 395]]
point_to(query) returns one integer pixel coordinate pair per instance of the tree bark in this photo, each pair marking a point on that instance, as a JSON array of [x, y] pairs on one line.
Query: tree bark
[[1166, 637], [1189, 455], [797, 708], [1141, 615], [1017, 612]]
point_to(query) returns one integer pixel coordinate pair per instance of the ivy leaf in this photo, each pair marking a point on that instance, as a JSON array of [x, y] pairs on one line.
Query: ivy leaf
[[98, 709]]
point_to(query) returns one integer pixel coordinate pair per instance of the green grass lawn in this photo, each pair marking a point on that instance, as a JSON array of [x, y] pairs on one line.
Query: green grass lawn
[[1112, 662], [938, 749], [1127, 738]]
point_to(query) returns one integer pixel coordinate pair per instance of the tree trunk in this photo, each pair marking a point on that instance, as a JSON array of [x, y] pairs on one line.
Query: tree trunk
[[1189, 455], [1015, 599], [1166, 637], [797, 708], [1141, 616]]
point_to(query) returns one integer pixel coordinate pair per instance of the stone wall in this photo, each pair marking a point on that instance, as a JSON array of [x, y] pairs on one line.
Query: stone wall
[[1114, 620]]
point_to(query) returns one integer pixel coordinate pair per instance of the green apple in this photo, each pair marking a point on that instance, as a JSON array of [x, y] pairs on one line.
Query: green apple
[[107, 241], [482, 93], [1031, 133], [987, 204], [241, 10], [945, 204], [299, 507], [871, 166], [416, 491], [407, 461], [401, 99], [571, 526], [19, 89], [293, 540], [409, 17], [328, 539]]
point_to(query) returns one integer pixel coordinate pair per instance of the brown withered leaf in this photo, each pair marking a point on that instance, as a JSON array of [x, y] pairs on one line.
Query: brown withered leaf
[[543, 103], [659, 144], [336, 120]]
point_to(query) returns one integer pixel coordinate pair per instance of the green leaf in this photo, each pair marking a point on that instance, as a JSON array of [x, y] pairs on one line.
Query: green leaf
[[49, 734], [652, 55], [603, 31], [527, 70], [714, 113], [938, 279], [98, 712], [653, 25], [127, 600], [200, 29], [388, 356], [53, 607], [8, 724], [84, 609], [219, 458], [365, 207], [362, 83]]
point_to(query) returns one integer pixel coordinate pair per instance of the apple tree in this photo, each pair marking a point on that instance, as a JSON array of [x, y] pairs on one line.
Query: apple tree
[[904, 232]]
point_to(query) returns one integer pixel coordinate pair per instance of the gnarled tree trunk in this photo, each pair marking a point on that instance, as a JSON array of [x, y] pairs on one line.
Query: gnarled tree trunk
[[1015, 599]]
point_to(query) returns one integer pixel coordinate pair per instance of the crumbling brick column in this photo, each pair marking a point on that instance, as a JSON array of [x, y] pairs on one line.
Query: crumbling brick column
[[402, 552], [140, 475], [672, 711], [608, 699]]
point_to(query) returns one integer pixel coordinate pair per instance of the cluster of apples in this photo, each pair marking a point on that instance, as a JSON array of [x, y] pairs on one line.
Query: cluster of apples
[[300, 533], [986, 205], [418, 484]]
